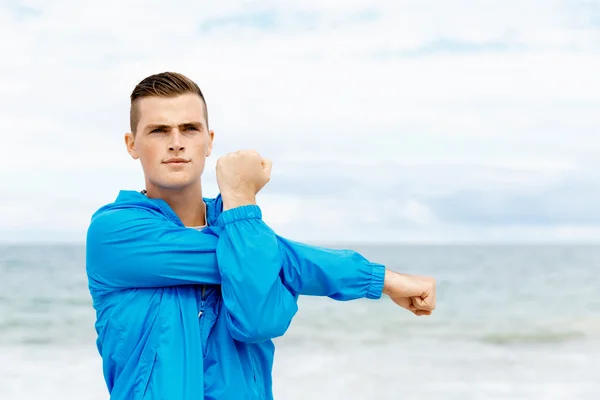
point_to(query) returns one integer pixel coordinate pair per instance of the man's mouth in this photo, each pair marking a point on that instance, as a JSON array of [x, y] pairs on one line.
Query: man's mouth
[[176, 160]]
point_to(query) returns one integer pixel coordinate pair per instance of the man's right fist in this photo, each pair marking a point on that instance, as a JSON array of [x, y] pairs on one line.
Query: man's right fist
[[240, 176]]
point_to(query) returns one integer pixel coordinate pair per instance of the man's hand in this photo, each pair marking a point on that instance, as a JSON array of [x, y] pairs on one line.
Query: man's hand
[[415, 293], [240, 176]]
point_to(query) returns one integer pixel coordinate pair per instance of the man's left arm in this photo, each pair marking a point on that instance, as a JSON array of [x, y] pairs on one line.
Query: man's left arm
[[262, 275], [290, 268]]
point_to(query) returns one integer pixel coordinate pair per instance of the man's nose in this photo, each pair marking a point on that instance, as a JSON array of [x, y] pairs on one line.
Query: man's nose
[[176, 144]]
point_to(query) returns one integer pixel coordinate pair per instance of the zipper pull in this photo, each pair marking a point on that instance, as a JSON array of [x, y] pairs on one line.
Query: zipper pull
[[202, 301], [201, 309]]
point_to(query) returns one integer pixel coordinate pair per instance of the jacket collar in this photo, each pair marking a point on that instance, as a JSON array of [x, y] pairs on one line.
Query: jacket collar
[[133, 198]]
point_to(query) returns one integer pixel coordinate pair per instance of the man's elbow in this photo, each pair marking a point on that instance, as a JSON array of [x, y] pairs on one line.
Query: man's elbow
[[257, 335], [261, 329]]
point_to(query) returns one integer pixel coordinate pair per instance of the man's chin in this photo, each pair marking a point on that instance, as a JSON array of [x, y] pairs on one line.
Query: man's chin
[[174, 185]]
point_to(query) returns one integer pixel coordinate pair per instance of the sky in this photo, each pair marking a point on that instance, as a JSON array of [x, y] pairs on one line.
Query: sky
[[387, 121]]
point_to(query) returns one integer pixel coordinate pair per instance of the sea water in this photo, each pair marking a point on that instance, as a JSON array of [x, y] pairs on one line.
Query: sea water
[[513, 322]]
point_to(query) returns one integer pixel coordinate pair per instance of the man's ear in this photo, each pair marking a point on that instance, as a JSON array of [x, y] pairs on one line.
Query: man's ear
[[130, 143], [211, 137]]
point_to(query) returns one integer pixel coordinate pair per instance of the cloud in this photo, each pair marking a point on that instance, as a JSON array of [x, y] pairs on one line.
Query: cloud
[[387, 120]]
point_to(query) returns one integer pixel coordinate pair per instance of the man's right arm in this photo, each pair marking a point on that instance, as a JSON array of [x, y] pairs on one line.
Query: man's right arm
[[133, 248]]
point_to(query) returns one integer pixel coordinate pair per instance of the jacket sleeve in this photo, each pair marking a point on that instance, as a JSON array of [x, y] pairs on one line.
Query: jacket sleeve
[[132, 248], [258, 305], [339, 274]]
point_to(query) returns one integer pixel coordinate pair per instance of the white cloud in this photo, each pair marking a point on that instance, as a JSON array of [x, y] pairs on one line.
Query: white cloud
[[390, 106]]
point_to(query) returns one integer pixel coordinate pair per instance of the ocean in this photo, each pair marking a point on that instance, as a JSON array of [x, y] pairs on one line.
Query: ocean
[[512, 322]]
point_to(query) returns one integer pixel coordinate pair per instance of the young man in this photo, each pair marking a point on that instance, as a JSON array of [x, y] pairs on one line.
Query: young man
[[190, 291]]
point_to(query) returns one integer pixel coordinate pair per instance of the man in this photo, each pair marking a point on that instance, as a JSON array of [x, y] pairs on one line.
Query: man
[[189, 291]]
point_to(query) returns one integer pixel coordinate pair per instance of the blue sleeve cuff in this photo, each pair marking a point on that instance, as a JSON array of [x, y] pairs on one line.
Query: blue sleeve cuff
[[376, 286], [250, 211]]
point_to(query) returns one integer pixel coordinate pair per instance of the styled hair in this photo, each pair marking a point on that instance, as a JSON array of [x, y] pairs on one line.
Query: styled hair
[[164, 84]]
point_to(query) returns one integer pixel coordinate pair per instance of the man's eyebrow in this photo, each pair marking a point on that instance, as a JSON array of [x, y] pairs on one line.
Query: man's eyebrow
[[196, 124], [156, 126]]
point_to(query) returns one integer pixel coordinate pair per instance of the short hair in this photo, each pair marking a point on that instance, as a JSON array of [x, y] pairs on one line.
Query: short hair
[[164, 84]]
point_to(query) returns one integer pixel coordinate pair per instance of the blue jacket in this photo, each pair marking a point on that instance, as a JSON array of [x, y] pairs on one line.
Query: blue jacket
[[189, 314]]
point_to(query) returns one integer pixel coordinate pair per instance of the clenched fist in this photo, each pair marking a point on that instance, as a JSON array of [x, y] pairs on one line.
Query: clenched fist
[[240, 176], [415, 293]]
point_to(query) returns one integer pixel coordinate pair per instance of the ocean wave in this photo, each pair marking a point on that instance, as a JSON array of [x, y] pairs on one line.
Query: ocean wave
[[510, 338]]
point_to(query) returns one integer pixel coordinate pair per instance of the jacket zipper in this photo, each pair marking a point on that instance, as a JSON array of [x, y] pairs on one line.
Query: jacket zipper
[[202, 304], [201, 321]]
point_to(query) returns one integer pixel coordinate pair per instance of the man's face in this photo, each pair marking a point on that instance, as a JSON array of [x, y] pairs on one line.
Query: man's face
[[171, 141]]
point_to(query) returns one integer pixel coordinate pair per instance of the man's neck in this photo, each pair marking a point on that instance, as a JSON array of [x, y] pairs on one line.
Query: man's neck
[[187, 204]]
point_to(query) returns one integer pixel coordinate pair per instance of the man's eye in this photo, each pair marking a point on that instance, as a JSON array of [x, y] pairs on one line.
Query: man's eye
[[157, 130], [193, 128]]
